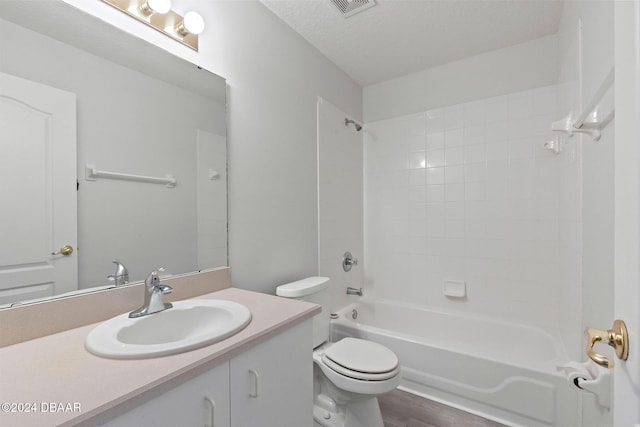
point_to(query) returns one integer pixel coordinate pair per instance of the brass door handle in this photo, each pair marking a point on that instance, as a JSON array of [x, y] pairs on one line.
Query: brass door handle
[[617, 337], [66, 250]]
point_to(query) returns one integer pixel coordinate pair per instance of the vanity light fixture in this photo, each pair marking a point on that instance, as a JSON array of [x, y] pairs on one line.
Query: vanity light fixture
[[159, 15], [191, 24], [149, 7]]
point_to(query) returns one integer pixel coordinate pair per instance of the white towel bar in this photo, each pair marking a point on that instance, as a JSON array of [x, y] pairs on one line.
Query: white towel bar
[[597, 97], [591, 121], [91, 173]]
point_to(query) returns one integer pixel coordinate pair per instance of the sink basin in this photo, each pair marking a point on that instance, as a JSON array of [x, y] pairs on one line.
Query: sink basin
[[188, 325]]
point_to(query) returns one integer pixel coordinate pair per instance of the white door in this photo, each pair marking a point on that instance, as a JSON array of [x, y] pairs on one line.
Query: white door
[[626, 407], [38, 212], [212, 200]]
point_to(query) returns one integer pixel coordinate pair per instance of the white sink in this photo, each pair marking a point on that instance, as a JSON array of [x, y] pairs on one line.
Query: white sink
[[188, 325]]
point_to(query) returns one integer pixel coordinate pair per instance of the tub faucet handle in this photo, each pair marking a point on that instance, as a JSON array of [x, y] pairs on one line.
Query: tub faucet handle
[[348, 261]]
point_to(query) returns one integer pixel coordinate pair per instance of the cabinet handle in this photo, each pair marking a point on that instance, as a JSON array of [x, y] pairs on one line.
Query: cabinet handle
[[212, 410], [254, 384]]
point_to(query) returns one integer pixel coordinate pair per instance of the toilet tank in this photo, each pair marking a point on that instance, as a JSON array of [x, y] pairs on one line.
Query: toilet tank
[[315, 290]]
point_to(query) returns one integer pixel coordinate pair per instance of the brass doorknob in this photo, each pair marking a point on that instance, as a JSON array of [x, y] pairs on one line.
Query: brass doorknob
[[617, 337], [66, 250]]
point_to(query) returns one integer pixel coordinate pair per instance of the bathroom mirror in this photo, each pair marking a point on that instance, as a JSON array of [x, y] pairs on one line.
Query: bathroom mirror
[[141, 112]]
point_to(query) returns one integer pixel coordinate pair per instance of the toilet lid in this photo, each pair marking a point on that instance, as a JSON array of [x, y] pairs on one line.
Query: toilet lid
[[361, 359]]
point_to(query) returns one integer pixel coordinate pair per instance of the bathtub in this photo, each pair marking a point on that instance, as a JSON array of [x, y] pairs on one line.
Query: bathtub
[[498, 370]]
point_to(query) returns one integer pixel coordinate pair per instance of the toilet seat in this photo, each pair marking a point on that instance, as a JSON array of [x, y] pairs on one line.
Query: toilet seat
[[361, 360]]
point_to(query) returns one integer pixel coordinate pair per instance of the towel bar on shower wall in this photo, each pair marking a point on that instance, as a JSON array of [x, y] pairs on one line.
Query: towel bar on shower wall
[[592, 120]]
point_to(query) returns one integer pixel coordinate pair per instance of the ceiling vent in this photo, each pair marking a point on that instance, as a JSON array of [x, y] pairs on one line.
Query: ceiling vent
[[350, 7]]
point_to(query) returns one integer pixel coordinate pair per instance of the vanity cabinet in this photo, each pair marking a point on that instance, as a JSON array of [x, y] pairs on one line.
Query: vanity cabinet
[[272, 384], [201, 401], [269, 385]]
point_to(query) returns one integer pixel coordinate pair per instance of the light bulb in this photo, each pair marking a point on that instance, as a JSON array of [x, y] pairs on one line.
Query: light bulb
[[149, 7], [193, 23]]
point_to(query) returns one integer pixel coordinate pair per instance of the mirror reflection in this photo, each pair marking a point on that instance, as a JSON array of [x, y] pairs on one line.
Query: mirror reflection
[[78, 96]]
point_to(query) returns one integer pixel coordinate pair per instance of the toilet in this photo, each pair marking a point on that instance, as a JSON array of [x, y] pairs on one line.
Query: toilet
[[348, 374]]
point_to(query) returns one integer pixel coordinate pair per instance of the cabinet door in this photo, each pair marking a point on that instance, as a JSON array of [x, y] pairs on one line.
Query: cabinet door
[[272, 384], [202, 401]]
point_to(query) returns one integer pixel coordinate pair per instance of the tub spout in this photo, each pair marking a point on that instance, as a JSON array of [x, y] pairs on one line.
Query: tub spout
[[354, 291]]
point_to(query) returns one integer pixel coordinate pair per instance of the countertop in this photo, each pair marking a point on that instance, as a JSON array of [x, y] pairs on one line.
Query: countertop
[[53, 380]]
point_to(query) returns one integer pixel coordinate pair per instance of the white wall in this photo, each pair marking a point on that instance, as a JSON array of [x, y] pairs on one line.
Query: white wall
[[484, 208], [274, 78], [340, 203], [466, 193], [504, 71]]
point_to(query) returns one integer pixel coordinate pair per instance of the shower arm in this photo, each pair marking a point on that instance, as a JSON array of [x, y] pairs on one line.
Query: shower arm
[[348, 121]]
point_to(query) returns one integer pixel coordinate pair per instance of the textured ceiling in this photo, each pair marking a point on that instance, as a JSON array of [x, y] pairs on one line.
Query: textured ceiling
[[399, 37]]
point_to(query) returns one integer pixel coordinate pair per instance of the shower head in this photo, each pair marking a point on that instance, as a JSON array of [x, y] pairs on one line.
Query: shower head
[[357, 126]]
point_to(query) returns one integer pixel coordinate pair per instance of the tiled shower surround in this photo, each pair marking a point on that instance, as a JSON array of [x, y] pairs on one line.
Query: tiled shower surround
[[467, 193]]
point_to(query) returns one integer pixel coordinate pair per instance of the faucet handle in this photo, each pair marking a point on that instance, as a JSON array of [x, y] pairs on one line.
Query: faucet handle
[[153, 292], [121, 276], [121, 270], [153, 279], [348, 261]]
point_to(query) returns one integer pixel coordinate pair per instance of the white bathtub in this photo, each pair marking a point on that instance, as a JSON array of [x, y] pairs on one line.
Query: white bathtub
[[501, 371]]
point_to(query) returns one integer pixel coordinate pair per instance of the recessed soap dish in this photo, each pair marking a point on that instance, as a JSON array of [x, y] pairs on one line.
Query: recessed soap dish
[[454, 288]]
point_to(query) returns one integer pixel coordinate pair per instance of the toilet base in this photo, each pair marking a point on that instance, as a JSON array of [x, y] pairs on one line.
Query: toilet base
[[361, 413]]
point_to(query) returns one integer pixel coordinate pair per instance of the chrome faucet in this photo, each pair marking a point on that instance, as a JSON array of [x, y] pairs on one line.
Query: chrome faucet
[[121, 276], [354, 291], [153, 292]]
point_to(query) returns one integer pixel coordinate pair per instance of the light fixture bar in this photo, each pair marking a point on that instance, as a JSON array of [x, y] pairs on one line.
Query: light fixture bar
[[167, 23]]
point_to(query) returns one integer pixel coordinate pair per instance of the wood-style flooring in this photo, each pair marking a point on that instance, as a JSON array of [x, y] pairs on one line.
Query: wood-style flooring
[[402, 409]]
